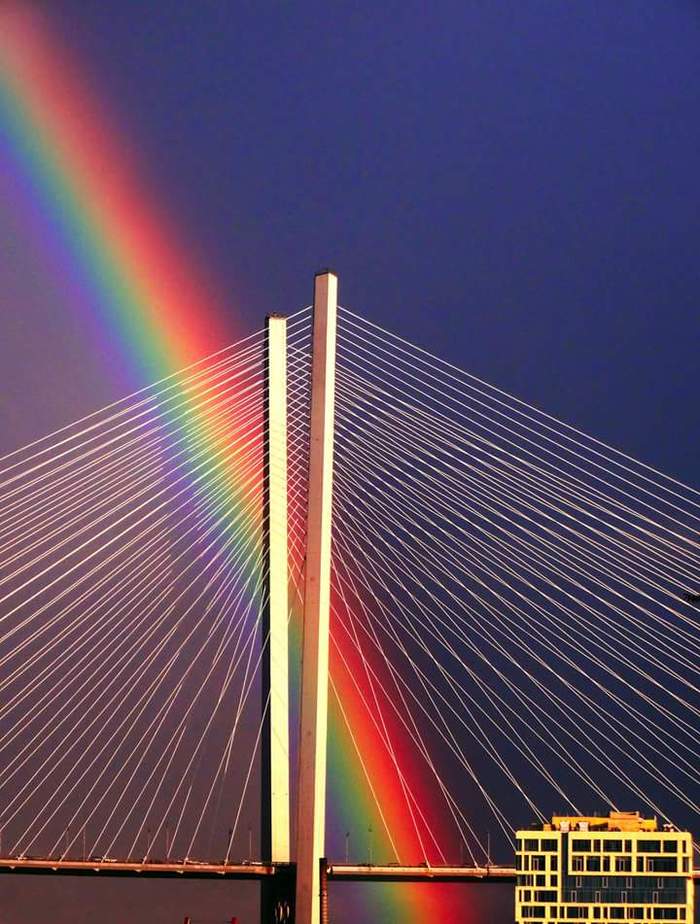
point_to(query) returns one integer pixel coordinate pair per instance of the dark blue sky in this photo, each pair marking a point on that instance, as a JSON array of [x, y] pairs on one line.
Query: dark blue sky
[[511, 184]]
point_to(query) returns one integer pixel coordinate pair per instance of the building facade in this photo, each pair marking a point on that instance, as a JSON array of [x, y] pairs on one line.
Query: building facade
[[619, 868]]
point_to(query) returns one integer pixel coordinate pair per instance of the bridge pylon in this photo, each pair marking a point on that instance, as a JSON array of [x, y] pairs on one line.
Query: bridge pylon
[[276, 893], [311, 815]]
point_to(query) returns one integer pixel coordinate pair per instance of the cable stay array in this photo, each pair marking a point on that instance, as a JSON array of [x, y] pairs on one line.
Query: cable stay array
[[132, 584], [509, 608], [512, 627]]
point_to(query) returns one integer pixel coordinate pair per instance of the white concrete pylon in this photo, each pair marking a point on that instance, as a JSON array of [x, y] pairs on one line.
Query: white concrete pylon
[[314, 673], [275, 745]]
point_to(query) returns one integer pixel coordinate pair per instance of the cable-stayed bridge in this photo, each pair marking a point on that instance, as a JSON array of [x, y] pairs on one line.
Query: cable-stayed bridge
[[497, 609]]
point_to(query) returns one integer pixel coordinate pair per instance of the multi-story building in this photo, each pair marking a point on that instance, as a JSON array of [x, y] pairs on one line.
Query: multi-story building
[[603, 869]]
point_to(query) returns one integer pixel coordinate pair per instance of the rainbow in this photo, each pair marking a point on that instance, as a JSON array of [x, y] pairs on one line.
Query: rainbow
[[119, 256], [98, 223]]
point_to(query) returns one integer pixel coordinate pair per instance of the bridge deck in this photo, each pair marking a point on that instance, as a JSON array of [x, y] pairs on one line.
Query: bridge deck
[[151, 869], [255, 870], [252, 870], [396, 873]]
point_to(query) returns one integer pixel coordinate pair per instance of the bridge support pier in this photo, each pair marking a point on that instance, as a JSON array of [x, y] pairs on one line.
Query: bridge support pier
[[310, 845], [323, 894], [277, 897]]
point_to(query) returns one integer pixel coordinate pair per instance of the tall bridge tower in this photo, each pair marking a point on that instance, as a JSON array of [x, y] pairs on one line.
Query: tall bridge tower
[[310, 846], [275, 834], [276, 901]]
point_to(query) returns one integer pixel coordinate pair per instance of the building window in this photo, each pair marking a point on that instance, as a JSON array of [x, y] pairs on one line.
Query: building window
[[545, 896], [531, 844], [577, 864], [623, 864], [640, 864], [665, 914], [655, 897], [540, 879], [663, 865], [518, 844], [553, 863], [648, 846], [593, 864], [553, 880], [579, 882], [612, 846], [628, 846], [617, 913], [606, 864], [549, 844], [581, 846], [670, 846], [628, 882]]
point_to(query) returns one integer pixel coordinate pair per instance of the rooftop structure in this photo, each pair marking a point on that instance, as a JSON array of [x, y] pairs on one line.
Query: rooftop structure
[[615, 821]]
